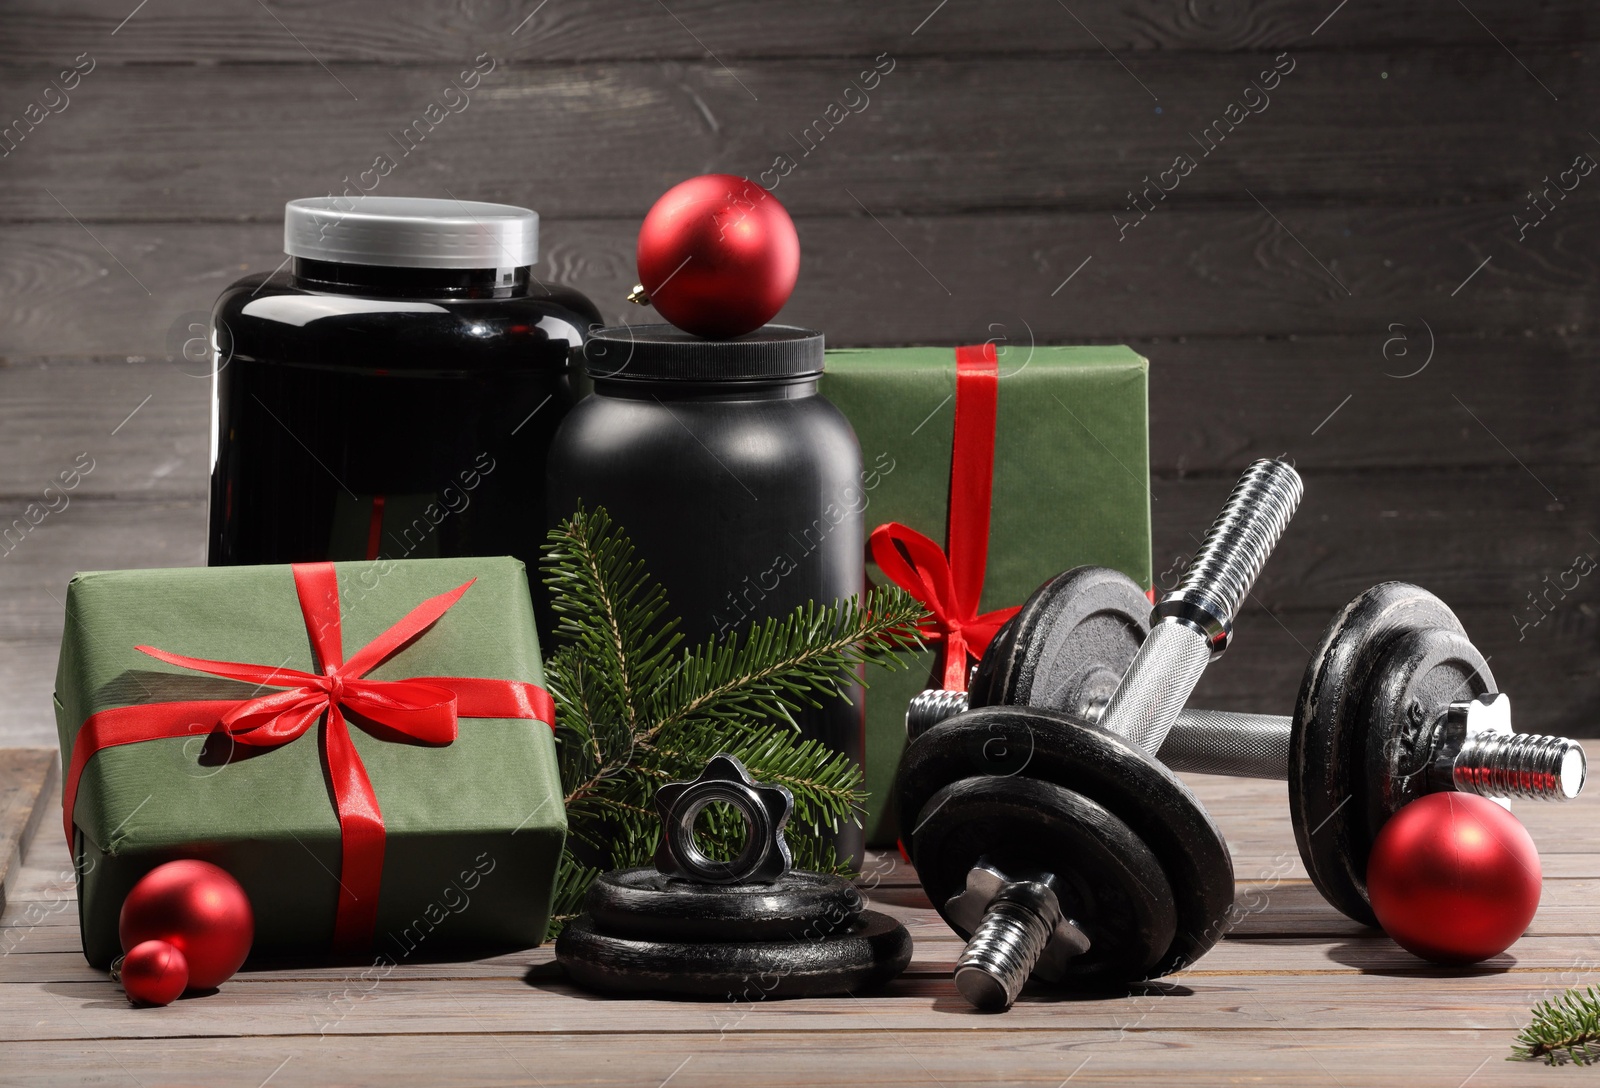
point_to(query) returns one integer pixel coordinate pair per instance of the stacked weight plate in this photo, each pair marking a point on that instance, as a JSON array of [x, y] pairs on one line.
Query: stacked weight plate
[[644, 933]]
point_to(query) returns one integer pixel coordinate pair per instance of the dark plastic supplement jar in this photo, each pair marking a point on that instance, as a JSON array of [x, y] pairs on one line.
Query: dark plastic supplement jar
[[739, 484], [393, 393]]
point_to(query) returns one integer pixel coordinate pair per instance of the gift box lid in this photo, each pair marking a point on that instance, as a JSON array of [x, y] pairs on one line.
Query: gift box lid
[[1071, 464], [497, 774]]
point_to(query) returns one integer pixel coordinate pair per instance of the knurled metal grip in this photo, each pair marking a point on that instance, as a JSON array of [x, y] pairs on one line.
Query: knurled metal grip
[[765, 856], [1217, 742], [1159, 681], [1194, 623]]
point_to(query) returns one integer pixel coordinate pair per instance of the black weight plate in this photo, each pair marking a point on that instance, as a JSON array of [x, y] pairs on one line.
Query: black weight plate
[[992, 678], [1069, 646], [1327, 744], [1054, 747], [1411, 688], [1108, 881], [649, 905], [874, 950]]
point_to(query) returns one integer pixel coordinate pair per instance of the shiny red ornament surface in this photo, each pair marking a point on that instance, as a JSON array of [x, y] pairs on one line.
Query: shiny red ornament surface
[[1454, 878], [199, 909], [718, 256], [153, 973]]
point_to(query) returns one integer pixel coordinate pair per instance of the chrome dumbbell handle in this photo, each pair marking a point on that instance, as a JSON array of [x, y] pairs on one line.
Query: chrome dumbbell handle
[[1208, 741], [1491, 763], [1189, 627], [1217, 742], [1194, 623]]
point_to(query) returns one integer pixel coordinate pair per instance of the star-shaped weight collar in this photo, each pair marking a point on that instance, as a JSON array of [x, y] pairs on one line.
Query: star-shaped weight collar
[[765, 856]]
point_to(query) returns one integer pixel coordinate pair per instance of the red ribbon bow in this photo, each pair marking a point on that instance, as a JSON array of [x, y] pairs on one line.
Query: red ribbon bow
[[952, 585], [419, 710]]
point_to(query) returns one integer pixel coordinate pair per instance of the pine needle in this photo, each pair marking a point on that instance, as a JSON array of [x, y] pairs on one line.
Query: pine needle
[[637, 710], [572, 883], [1564, 1028]]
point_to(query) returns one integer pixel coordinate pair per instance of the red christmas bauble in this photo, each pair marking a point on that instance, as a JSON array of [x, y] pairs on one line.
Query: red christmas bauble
[[153, 973], [718, 256], [199, 909], [1454, 878]]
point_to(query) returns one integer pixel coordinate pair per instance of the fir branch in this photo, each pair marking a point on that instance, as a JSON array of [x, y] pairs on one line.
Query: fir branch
[[636, 711], [606, 604], [1565, 1028], [572, 884], [786, 663]]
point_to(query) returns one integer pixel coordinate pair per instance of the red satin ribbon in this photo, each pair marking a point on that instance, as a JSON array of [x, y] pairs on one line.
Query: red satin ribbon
[[952, 585], [422, 710]]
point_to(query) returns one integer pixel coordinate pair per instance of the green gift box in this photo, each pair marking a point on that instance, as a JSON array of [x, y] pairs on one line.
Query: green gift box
[[1070, 486], [472, 826]]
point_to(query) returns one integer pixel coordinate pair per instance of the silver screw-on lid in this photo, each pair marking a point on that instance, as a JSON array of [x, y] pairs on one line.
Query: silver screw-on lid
[[411, 232]]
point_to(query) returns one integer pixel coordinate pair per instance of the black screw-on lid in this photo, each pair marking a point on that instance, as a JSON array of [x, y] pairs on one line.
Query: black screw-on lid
[[667, 353]]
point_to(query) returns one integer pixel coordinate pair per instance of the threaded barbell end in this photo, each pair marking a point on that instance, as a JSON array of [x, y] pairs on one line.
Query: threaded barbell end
[[1241, 538], [1193, 624], [1002, 953], [1526, 765], [930, 707]]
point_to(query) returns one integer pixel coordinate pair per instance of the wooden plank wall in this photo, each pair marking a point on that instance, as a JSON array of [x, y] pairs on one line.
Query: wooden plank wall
[[1343, 278]]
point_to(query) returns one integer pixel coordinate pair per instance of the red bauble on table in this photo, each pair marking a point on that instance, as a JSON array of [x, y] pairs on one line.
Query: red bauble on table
[[199, 909], [718, 256], [1454, 878], [152, 973]]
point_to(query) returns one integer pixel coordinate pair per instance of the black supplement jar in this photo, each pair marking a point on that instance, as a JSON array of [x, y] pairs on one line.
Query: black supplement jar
[[738, 483], [392, 395]]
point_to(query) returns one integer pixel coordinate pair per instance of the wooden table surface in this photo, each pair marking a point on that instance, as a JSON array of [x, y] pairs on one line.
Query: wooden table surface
[[1296, 994]]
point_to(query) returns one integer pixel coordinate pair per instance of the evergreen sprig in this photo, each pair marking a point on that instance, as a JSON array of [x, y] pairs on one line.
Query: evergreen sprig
[[1564, 1028], [637, 709]]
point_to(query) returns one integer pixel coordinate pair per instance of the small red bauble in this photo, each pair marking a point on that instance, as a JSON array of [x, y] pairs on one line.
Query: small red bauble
[[199, 909], [1454, 878], [153, 973], [718, 256]]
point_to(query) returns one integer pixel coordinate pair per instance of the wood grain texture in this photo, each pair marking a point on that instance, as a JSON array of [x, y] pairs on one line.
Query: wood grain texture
[[1197, 273], [1294, 993], [26, 776], [1448, 417], [375, 32], [28, 667], [1550, 674], [501, 1055], [1249, 1002], [1015, 134], [939, 948], [973, 197], [1408, 527]]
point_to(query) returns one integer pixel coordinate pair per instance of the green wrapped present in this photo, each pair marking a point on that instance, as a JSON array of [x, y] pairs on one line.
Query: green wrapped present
[[1024, 464], [364, 746]]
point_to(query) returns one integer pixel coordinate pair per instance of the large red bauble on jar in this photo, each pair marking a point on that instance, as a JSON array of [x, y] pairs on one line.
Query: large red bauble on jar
[[1454, 878], [718, 256], [197, 908]]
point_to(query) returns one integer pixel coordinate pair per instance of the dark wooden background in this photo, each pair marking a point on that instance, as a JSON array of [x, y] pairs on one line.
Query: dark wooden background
[[1336, 239]]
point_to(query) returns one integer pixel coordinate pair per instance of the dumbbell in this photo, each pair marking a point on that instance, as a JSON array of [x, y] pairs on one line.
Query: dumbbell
[[1396, 702], [1063, 850]]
